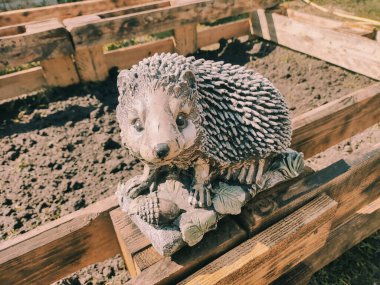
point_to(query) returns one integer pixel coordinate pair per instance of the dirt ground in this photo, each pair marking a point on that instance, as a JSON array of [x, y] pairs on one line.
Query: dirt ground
[[60, 151]]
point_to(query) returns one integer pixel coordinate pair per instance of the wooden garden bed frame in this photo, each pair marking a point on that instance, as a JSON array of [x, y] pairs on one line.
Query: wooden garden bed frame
[[287, 233], [70, 49]]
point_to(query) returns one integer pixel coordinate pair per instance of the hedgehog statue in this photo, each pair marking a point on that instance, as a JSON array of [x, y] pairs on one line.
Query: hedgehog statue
[[223, 122]]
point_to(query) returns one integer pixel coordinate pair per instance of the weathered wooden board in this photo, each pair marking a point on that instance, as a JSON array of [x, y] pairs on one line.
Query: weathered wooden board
[[360, 225], [126, 57], [63, 11], [226, 31], [56, 249], [187, 260], [329, 124], [266, 256], [186, 39], [351, 184], [355, 53], [91, 63], [339, 26], [130, 239], [22, 82], [60, 71], [33, 42], [106, 30]]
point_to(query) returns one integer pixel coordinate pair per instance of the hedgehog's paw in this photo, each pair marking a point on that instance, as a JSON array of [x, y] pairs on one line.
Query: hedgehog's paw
[[135, 186], [200, 196]]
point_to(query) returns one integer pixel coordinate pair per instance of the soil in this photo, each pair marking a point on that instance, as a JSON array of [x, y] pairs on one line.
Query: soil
[[60, 150]]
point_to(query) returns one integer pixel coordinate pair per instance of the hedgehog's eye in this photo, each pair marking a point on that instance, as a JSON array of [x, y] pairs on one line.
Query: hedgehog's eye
[[138, 125], [181, 121]]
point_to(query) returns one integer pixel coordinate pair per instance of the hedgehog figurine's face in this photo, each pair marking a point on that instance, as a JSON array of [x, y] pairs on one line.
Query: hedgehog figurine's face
[[156, 118]]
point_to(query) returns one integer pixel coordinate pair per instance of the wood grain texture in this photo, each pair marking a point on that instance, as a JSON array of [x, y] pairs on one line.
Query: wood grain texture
[[359, 226], [327, 125], [91, 63], [339, 26], [226, 31], [60, 71], [61, 247], [351, 183], [62, 11], [126, 57], [186, 39], [170, 270], [355, 53], [33, 42], [130, 239], [21, 82], [111, 29], [269, 254]]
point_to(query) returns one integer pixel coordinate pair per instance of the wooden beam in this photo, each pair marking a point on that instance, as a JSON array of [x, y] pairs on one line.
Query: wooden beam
[[226, 31], [351, 183], [105, 30], [325, 126], [60, 71], [269, 254], [130, 239], [322, 22], [91, 63], [126, 57], [33, 42], [62, 11], [61, 247], [21, 82], [186, 40], [352, 52], [170, 270], [359, 226]]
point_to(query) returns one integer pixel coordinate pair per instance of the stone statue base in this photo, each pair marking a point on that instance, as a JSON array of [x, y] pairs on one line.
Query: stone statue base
[[167, 219]]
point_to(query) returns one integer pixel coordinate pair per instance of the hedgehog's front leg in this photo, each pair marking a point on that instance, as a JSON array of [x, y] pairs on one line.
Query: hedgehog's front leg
[[200, 195], [140, 183]]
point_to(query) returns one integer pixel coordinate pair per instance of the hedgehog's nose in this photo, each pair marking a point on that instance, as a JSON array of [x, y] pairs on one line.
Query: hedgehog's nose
[[161, 150]]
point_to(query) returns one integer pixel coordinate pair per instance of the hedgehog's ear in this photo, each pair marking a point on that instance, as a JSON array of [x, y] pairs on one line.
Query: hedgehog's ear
[[189, 77]]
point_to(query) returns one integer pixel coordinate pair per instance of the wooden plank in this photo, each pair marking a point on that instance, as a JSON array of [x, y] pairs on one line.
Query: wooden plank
[[359, 226], [329, 124], [186, 41], [134, 9], [226, 31], [126, 57], [33, 42], [352, 52], [21, 82], [17, 4], [130, 239], [266, 256], [106, 30], [61, 247], [63, 11], [60, 71], [91, 63], [351, 183], [339, 26], [170, 270]]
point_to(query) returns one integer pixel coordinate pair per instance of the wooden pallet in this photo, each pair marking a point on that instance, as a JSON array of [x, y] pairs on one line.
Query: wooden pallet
[[68, 52], [313, 214]]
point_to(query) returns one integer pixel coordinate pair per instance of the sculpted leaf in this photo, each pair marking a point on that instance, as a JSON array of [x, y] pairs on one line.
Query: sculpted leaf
[[229, 199], [196, 223]]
